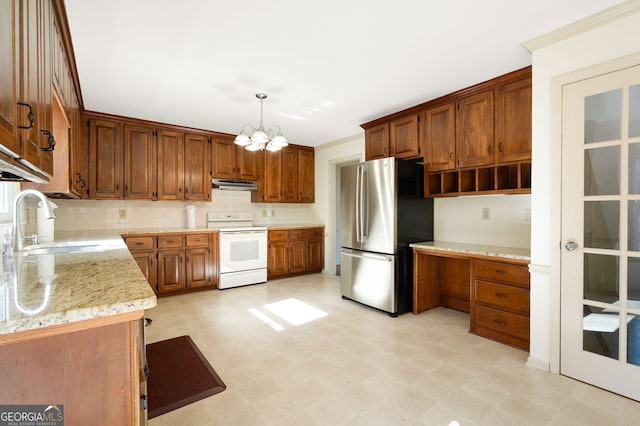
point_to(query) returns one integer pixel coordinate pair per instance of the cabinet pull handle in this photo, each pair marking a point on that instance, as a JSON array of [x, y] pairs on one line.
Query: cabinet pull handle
[[451, 156], [139, 243], [501, 295], [50, 140], [30, 115], [489, 149], [499, 322], [500, 147], [501, 271]]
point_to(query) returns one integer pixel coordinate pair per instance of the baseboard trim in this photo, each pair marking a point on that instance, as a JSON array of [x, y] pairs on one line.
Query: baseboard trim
[[538, 364]]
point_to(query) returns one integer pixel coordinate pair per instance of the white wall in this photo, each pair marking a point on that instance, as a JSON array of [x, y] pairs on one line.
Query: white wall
[[327, 158], [610, 38], [460, 220]]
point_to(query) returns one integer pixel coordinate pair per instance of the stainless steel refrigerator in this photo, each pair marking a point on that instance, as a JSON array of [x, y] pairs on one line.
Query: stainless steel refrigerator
[[382, 211]]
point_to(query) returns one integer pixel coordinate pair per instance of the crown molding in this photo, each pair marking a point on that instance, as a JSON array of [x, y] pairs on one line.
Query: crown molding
[[596, 20]]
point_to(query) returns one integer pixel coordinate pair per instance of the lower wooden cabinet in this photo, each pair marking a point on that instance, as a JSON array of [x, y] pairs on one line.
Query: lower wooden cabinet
[[96, 373], [176, 262], [295, 251], [500, 302]]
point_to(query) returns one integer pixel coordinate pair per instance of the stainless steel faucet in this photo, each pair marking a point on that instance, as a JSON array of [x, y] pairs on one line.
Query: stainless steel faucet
[[18, 238]]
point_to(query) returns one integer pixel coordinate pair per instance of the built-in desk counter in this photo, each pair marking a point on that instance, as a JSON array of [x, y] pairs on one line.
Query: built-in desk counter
[[491, 283]]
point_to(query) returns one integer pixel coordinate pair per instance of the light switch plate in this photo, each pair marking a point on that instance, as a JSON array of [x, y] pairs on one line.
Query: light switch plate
[[486, 213]]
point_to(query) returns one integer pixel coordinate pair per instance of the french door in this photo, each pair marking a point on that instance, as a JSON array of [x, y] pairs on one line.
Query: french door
[[600, 261]]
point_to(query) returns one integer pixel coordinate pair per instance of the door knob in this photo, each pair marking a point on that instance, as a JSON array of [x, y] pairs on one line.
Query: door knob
[[571, 246]]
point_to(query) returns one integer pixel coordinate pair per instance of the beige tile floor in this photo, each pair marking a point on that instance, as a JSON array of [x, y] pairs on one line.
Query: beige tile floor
[[356, 366]]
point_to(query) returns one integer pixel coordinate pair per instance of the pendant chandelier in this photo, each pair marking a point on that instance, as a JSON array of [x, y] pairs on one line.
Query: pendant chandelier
[[259, 139]]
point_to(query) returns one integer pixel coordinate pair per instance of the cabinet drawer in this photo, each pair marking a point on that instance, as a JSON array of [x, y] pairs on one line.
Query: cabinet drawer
[[503, 322], [197, 240], [278, 235], [497, 271], [139, 243], [297, 234], [315, 233], [170, 241], [502, 296]]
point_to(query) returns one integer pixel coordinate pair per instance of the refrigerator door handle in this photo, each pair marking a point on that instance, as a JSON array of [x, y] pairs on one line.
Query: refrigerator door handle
[[365, 204], [369, 256], [358, 206]]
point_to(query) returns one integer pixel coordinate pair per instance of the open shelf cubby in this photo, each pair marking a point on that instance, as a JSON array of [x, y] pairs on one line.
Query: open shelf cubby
[[513, 178]]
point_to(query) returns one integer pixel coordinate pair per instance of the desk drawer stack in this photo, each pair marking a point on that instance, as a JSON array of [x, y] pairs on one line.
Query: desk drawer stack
[[500, 302]]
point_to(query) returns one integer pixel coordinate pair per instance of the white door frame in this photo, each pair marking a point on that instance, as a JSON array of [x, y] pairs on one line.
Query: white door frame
[[556, 196]]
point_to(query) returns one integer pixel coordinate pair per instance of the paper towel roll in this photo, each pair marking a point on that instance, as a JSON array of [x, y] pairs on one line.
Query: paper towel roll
[[191, 217], [45, 226]]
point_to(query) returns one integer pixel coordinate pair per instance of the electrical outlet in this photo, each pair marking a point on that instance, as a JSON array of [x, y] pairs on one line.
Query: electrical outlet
[[486, 213], [264, 212], [123, 213], [273, 213]]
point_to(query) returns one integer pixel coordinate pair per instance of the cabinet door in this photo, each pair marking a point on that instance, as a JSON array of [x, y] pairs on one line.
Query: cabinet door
[[475, 130], [440, 137], [197, 264], [297, 256], [106, 159], [513, 121], [377, 142], [289, 174], [272, 180], [170, 165], [170, 270], [306, 178], [9, 14], [45, 24], [213, 267], [145, 261], [315, 258], [403, 137], [29, 83], [277, 261], [139, 163], [223, 157], [248, 164], [197, 167]]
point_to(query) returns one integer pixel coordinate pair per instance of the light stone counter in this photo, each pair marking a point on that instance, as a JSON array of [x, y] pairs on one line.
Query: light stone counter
[[475, 249], [38, 291]]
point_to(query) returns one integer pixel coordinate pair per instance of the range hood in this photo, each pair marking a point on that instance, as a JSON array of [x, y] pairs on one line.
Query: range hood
[[234, 185]]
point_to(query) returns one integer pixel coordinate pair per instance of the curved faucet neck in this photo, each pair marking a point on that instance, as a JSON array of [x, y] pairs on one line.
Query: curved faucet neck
[[18, 238]]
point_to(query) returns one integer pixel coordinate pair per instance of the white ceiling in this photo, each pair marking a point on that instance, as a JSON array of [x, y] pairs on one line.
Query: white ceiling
[[327, 66]]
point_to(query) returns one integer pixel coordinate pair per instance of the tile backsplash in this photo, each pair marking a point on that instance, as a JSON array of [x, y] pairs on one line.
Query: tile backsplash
[[120, 214]]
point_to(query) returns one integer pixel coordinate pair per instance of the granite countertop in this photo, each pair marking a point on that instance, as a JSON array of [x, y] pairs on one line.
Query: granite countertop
[[41, 290], [476, 249]]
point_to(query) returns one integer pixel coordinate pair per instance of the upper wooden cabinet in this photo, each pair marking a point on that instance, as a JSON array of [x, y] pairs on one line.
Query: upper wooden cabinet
[[231, 161], [197, 167], [26, 137], [404, 137], [513, 121], [170, 165], [106, 179], [440, 137], [130, 160], [9, 51], [474, 142], [377, 142], [397, 138], [287, 176], [139, 162]]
